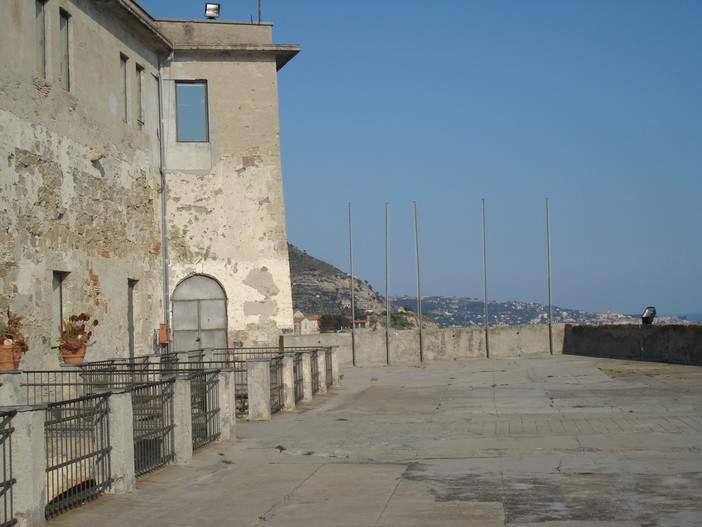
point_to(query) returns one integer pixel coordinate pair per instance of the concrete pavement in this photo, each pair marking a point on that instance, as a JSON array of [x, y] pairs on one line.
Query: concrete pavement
[[557, 442]]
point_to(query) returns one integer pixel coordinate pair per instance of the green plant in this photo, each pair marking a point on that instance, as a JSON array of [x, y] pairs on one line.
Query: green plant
[[11, 331], [74, 334]]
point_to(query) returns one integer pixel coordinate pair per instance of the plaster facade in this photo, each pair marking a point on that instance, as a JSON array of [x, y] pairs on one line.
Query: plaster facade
[[87, 186]]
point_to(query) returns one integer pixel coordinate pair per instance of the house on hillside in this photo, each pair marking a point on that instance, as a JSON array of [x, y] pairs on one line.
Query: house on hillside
[[305, 325], [141, 178]]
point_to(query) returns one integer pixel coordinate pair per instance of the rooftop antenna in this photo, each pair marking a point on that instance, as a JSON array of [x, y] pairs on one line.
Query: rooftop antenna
[[259, 12]]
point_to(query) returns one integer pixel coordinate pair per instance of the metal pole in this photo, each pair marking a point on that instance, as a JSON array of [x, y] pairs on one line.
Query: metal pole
[[388, 318], [259, 12], [353, 300], [419, 288], [548, 253], [485, 294]]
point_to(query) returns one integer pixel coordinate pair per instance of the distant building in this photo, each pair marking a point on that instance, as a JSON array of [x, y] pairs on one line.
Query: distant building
[[141, 177], [305, 325]]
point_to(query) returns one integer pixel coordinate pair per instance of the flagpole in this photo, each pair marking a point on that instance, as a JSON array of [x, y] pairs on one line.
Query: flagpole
[[419, 288], [353, 301], [485, 292]]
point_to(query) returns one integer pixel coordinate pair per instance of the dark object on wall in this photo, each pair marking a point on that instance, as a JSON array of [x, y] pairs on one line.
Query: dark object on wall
[[648, 315]]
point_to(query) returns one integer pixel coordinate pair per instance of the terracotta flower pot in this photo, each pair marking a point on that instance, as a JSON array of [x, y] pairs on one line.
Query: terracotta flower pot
[[10, 355], [73, 356]]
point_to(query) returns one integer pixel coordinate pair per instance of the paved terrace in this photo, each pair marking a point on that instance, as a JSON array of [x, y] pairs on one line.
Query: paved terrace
[[559, 442]]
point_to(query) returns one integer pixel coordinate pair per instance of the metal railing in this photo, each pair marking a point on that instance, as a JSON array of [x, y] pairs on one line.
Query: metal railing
[[50, 386], [276, 369], [204, 393], [8, 478], [152, 408], [77, 452], [298, 378], [314, 366], [236, 358]]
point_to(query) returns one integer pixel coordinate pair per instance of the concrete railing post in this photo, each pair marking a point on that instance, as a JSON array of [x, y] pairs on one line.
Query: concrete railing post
[[183, 419], [322, 370], [289, 381], [259, 386], [208, 356], [122, 442], [306, 376], [11, 388], [227, 404], [29, 466]]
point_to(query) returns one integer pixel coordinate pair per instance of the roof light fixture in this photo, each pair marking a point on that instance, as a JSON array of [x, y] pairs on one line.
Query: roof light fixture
[[211, 11]]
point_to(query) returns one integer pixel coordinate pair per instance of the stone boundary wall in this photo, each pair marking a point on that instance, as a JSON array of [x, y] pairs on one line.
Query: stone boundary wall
[[680, 344], [438, 344]]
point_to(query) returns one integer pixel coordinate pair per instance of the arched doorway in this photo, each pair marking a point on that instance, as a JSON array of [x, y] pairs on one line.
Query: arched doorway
[[199, 314]]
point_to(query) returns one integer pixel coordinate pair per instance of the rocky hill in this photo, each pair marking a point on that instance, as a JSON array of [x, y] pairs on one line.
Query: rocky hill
[[320, 288]]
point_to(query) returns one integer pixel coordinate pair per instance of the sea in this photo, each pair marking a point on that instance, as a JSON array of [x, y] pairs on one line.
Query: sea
[[692, 317]]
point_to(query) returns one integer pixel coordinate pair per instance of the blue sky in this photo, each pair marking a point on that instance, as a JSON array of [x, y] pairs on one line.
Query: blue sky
[[596, 105]]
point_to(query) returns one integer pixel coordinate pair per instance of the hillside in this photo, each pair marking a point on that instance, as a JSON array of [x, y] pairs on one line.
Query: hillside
[[468, 312], [320, 288]]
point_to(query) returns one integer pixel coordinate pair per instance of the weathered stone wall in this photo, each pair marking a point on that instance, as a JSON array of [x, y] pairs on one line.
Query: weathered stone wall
[[680, 344], [79, 186], [226, 216], [438, 344]]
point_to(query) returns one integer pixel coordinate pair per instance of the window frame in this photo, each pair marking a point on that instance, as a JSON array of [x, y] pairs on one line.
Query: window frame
[[124, 85], [58, 280], [40, 37], [140, 94], [205, 111], [65, 38]]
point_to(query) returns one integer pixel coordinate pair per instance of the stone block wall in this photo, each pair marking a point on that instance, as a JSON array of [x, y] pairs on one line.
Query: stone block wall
[[680, 344]]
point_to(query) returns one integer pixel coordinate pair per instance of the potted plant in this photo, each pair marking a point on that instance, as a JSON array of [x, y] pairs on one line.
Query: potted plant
[[12, 342], [74, 338]]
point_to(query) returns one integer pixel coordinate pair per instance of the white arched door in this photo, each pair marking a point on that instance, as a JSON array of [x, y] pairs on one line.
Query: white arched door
[[199, 314]]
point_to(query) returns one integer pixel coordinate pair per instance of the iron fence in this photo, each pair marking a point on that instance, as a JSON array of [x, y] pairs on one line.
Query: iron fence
[[8, 478], [77, 452], [236, 358], [298, 377], [276, 369], [329, 374], [49, 386], [204, 390], [314, 366], [152, 407]]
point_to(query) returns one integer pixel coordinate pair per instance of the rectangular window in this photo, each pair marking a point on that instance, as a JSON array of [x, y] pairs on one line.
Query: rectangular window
[[123, 83], [65, 58], [140, 95], [40, 37], [56, 303], [191, 111]]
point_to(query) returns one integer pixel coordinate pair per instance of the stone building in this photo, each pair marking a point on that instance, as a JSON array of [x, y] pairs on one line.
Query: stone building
[[99, 215]]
